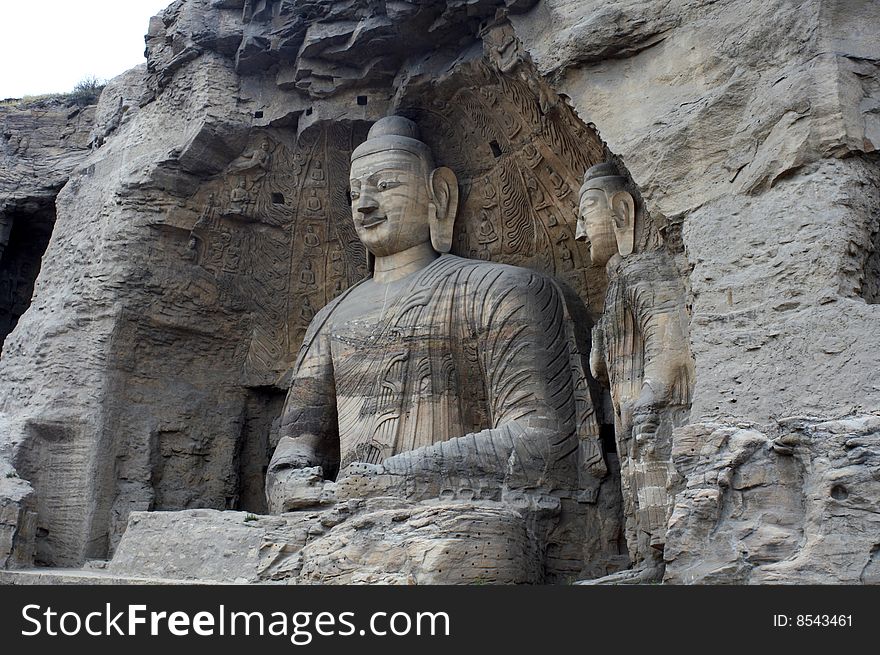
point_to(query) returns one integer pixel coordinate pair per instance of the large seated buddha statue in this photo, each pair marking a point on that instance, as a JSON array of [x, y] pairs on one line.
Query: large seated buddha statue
[[438, 377], [438, 427]]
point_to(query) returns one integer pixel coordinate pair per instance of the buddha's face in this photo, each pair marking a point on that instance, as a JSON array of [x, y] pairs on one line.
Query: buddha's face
[[596, 223], [390, 201]]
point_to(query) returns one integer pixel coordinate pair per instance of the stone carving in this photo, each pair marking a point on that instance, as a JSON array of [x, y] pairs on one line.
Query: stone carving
[[240, 198], [640, 350], [438, 377], [307, 277], [255, 164], [149, 377]]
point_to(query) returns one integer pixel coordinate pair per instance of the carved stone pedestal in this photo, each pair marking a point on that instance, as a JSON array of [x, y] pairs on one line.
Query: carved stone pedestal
[[383, 540]]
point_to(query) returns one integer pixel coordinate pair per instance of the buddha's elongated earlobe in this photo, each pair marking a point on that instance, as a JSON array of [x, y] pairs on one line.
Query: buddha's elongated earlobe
[[442, 208], [624, 209]]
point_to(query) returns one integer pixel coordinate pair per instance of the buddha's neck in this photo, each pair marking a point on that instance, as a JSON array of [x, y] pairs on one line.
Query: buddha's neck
[[394, 267]]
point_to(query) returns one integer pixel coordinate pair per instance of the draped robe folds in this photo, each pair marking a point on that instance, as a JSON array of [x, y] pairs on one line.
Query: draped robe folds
[[466, 372], [641, 339]]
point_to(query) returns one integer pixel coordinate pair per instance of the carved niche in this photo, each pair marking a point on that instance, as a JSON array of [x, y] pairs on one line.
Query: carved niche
[[275, 232]]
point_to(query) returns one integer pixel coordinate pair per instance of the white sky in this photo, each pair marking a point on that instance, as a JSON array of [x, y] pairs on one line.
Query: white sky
[[47, 46]]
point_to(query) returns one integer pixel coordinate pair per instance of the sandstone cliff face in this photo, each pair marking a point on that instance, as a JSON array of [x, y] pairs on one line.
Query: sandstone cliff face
[[149, 368], [751, 129], [42, 142]]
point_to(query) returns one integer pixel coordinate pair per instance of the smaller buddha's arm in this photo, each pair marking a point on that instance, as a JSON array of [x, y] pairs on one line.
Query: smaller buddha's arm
[[526, 366], [659, 307], [598, 365]]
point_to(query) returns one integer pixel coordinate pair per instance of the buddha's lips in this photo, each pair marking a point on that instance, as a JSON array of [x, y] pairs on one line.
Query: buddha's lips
[[373, 222]]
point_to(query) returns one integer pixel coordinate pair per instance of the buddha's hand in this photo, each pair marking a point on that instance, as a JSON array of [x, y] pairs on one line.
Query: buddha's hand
[[646, 419], [292, 483]]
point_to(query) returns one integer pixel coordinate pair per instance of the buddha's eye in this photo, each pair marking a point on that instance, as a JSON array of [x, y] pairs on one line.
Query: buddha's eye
[[354, 194], [383, 185]]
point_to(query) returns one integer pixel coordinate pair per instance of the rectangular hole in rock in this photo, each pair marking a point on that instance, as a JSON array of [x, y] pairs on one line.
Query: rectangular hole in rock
[[258, 114], [24, 237], [277, 198], [606, 434], [496, 149], [362, 100]]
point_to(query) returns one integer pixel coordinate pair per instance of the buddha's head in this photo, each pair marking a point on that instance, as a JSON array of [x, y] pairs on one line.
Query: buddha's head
[[607, 214], [398, 198]]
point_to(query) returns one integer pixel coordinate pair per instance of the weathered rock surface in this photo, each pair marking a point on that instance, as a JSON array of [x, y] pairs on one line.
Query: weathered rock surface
[[18, 521], [380, 541], [149, 368], [758, 153], [41, 142], [795, 505]]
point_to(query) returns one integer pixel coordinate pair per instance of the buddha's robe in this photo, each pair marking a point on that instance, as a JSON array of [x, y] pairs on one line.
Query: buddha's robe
[[465, 369], [640, 347]]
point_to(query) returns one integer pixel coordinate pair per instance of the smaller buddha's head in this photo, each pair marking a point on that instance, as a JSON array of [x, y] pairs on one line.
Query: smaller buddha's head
[[607, 214], [398, 198]]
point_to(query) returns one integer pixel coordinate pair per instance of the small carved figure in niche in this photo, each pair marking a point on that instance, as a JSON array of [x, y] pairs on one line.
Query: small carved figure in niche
[[536, 194], [311, 239], [232, 261], [314, 202], [486, 236], [640, 350], [318, 171], [512, 127], [488, 95], [546, 101], [397, 376], [560, 187], [256, 163], [532, 155], [490, 195], [206, 218], [307, 312], [225, 253], [307, 276], [240, 198], [299, 165], [192, 249], [565, 255], [337, 262], [504, 49]]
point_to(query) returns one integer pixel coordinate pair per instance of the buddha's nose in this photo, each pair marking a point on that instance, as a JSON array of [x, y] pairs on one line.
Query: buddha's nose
[[366, 203], [581, 232]]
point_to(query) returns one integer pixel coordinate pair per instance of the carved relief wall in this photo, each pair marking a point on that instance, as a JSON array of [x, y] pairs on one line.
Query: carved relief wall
[[519, 165], [236, 270]]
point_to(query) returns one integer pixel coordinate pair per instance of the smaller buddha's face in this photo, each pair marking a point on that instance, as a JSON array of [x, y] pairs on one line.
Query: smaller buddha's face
[[390, 201], [596, 224]]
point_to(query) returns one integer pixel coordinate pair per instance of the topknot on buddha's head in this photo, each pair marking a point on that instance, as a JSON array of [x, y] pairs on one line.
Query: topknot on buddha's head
[[395, 133], [394, 126]]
